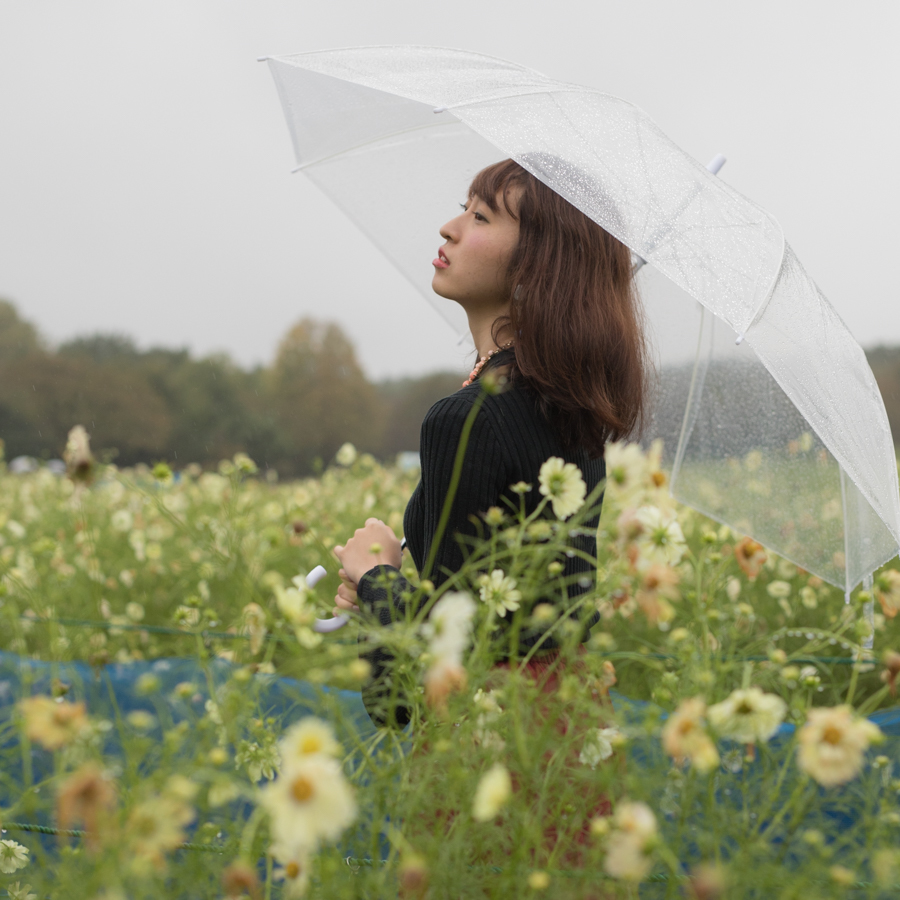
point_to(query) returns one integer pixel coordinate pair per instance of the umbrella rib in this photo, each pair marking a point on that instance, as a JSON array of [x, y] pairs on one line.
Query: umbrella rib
[[381, 137]]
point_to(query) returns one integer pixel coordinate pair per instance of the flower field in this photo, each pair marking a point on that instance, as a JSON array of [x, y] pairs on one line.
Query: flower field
[[172, 726]]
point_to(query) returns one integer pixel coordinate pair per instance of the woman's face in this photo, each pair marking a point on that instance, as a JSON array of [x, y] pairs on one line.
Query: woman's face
[[471, 266]]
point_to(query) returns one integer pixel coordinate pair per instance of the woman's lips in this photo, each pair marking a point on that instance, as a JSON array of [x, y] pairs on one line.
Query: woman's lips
[[441, 262]]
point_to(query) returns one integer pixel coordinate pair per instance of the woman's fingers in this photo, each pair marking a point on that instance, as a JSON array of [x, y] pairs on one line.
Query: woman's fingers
[[346, 598]]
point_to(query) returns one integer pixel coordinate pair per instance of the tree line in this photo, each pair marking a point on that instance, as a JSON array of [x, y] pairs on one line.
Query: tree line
[[290, 416], [164, 404]]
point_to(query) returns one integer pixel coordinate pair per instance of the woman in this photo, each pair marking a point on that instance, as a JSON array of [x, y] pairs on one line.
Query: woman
[[551, 304]]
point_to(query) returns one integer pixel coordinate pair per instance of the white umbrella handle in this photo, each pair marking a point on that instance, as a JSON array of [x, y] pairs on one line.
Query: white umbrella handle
[[324, 626]]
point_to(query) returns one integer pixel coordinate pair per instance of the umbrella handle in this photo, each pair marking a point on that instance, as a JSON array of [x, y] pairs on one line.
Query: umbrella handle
[[325, 626]]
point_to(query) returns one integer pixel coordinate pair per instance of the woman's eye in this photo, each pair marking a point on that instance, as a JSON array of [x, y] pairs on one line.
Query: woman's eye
[[479, 217]]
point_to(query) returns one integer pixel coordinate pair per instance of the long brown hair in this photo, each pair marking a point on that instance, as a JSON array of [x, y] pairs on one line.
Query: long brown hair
[[575, 317]]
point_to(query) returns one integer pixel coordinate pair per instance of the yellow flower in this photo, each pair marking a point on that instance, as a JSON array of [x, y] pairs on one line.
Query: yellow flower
[[53, 723], [832, 743], [308, 736], [87, 796], [492, 794], [748, 715], [684, 736], [563, 484], [631, 842]]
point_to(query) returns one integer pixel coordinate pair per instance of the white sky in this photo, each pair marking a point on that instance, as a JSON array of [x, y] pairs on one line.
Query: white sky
[[144, 159]]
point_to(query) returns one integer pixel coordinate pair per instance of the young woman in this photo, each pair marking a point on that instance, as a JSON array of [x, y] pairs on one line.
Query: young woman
[[551, 303]]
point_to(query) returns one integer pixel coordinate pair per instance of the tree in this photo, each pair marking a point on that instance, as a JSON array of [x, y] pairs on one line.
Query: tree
[[321, 397], [18, 338]]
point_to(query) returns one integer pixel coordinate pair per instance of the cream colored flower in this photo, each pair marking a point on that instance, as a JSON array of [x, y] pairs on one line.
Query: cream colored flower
[[492, 794], [121, 520], [310, 802], [346, 456], [599, 745], [53, 723], [660, 539], [499, 592], [684, 736], [748, 715], [778, 589], [563, 484], [630, 844], [626, 469], [154, 827], [307, 737], [77, 455], [20, 891], [294, 870], [12, 856], [832, 744]]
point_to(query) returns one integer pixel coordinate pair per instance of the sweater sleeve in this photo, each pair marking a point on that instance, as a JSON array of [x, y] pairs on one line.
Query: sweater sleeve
[[484, 471]]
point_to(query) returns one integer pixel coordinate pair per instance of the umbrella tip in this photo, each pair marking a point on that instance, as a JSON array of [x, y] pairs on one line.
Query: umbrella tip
[[739, 339], [716, 163], [439, 109], [262, 58]]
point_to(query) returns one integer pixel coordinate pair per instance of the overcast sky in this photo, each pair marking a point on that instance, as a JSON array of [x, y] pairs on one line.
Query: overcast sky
[[145, 182]]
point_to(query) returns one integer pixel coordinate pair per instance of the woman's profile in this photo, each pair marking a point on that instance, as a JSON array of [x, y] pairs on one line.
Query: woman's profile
[[552, 307]]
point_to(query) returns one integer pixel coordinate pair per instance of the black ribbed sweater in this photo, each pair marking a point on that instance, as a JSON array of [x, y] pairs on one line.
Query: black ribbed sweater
[[509, 441]]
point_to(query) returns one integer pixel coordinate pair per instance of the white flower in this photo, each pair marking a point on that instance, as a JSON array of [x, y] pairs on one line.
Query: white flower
[[121, 520], [493, 792], [19, 891], [598, 746], [12, 856], [733, 589], [308, 803], [499, 592], [661, 539], [449, 626], [778, 589], [832, 743], [293, 603], [563, 484], [630, 845], [308, 736], [626, 468], [346, 456], [748, 715]]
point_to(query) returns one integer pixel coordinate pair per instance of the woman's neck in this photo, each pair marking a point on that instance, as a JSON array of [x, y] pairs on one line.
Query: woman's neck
[[481, 326]]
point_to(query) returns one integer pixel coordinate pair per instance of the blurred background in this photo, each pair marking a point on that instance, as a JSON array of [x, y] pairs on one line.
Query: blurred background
[[167, 282]]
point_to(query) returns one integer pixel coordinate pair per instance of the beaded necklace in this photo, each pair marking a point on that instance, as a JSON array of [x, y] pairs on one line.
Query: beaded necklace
[[481, 363]]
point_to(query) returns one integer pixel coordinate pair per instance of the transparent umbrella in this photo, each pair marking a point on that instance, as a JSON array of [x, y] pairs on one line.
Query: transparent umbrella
[[771, 417]]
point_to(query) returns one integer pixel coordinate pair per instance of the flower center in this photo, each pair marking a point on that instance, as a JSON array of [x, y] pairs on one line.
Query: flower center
[[292, 870], [744, 709], [301, 789], [310, 744], [831, 735]]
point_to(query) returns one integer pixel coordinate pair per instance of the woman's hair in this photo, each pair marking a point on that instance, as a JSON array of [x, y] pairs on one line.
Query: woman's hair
[[575, 316]]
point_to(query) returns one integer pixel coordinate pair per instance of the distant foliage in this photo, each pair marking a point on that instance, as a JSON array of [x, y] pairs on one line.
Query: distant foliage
[[146, 405]]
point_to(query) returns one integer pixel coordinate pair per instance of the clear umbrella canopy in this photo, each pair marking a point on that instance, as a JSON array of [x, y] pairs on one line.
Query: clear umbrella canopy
[[782, 435]]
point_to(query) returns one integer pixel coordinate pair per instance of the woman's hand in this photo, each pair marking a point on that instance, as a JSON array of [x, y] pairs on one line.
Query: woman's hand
[[375, 544], [346, 595]]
